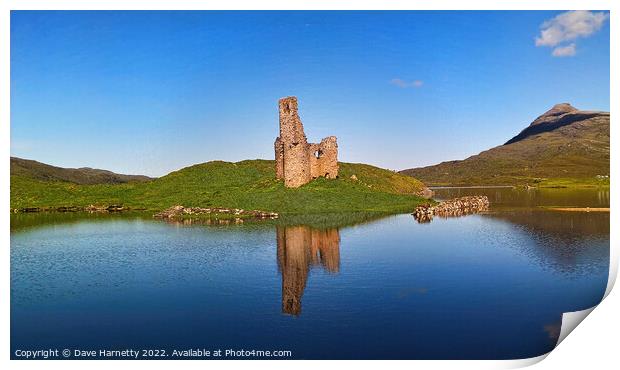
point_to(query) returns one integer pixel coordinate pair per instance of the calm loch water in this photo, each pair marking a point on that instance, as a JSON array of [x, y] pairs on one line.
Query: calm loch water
[[486, 286]]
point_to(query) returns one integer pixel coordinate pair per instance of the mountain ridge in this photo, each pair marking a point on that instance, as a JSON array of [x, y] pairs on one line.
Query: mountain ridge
[[82, 176], [563, 144], [559, 115]]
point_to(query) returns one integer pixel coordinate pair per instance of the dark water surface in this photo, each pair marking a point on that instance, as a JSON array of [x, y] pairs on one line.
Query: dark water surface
[[486, 286]]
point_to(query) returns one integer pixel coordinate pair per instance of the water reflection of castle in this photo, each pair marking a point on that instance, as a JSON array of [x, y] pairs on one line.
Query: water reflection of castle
[[300, 248]]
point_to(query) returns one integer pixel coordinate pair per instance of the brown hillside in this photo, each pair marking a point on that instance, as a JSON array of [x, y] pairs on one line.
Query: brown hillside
[[562, 143]]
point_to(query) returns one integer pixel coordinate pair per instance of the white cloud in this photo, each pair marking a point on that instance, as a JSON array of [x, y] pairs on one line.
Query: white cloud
[[564, 51], [569, 26], [406, 84]]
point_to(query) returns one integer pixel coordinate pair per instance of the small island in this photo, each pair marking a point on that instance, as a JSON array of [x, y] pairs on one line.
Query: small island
[[304, 178]]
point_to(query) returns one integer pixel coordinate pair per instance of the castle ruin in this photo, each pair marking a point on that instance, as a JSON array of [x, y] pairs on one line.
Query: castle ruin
[[297, 161]]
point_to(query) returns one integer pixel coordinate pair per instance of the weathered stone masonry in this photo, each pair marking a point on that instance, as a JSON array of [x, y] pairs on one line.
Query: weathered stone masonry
[[297, 161]]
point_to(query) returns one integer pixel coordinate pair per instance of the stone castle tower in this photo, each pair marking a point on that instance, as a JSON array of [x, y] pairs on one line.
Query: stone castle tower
[[297, 161]]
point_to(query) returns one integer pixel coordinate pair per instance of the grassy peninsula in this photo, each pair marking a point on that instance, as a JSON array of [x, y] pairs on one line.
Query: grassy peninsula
[[249, 184]]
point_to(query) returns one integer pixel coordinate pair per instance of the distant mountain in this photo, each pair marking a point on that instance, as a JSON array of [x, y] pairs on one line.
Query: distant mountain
[[563, 143], [83, 176]]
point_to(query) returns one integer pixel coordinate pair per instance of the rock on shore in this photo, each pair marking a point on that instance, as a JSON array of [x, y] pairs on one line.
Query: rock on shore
[[90, 208], [452, 208], [180, 211]]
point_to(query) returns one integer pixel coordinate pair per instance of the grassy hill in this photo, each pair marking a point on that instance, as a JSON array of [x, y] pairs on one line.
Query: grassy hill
[[564, 146], [248, 184], [45, 172]]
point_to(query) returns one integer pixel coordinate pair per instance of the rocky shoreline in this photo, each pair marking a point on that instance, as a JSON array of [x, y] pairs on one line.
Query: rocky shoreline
[[189, 212], [452, 208], [172, 213], [91, 209]]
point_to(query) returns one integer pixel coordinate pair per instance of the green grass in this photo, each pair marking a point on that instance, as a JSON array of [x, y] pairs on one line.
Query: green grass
[[588, 182], [248, 184]]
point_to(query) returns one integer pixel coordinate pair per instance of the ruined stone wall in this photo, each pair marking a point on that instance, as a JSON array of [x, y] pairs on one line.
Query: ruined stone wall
[[324, 160], [455, 207], [297, 161], [279, 149]]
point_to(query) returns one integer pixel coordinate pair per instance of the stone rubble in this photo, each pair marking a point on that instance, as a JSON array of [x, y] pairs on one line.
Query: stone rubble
[[452, 208], [90, 208], [111, 208], [179, 211]]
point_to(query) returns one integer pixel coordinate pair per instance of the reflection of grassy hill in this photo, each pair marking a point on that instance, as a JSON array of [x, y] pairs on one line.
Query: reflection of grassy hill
[[247, 185], [23, 221], [562, 147]]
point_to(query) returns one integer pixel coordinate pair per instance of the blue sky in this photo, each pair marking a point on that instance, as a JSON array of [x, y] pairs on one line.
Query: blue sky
[[152, 92]]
